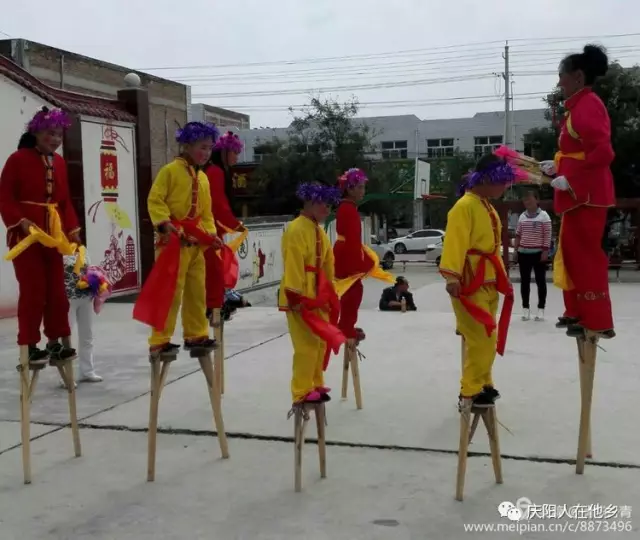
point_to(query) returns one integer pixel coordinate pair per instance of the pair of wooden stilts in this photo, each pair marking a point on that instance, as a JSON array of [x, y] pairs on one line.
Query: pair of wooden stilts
[[29, 374], [587, 352], [213, 370]]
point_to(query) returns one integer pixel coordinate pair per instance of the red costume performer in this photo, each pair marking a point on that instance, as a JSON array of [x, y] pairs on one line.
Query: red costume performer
[[351, 258], [35, 200], [225, 153], [584, 191]]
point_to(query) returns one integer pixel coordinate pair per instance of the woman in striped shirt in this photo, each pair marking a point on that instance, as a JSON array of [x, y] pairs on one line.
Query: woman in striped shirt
[[533, 240]]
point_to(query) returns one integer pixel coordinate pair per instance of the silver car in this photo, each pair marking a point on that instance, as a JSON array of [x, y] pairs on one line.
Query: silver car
[[384, 252]]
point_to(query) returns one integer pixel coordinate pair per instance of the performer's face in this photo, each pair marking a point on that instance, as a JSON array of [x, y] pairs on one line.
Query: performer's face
[[49, 140], [232, 158], [199, 151], [357, 193], [319, 211], [570, 81]]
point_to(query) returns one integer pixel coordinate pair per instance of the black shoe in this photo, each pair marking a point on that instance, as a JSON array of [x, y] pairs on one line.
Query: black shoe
[[190, 345], [565, 322], [578, 331], [59, 353], [491, 392], [167, 350], [325, 397], [209, 313], [37, 357], [483, 400]]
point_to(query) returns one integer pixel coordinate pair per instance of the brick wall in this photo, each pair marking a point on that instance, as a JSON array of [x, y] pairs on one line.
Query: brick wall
[[88, 76]]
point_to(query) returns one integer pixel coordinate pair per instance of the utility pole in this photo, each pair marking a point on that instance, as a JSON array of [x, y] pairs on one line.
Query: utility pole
[[507, 96]]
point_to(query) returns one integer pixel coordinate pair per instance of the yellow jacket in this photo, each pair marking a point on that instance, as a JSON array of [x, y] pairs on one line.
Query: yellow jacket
[[299, 259], [470, 227], [172, 195]]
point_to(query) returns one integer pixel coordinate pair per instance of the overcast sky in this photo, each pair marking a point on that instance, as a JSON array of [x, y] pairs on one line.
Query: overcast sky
[[454, 48]]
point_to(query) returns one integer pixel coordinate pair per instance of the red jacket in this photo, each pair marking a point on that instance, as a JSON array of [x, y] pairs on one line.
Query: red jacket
[[23, 181], [220, 207], [349, 256], [586, 129]]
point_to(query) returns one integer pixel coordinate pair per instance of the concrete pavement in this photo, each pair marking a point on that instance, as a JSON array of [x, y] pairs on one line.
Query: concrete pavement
[[391, 465]]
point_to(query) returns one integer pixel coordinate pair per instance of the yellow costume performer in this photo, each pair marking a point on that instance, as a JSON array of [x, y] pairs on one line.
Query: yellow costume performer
[[471, 259], [180, 196], [308, 296]]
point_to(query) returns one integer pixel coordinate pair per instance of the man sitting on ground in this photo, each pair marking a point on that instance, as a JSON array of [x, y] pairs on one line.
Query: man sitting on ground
[[391, 299]]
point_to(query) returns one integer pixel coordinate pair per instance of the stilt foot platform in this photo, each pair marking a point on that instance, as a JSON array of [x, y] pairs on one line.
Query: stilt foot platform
[[301, 415], [29, 374]]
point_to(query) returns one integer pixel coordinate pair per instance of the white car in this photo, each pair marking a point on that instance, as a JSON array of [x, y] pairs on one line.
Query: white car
[[384, 252], [416, 241], [434, 252]]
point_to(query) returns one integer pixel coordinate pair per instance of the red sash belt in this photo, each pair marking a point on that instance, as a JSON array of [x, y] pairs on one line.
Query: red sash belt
[[326, 300], [503, 286], [155, 299]]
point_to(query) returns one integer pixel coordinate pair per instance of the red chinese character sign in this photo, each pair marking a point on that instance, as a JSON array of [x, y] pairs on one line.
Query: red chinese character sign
[[112, 216]]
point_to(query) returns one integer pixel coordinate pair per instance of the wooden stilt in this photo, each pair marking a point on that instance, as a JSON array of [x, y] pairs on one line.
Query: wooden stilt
[[468, 427], [301, 418], [345, 372], [218, 335], [588, 349], [159, 371], [66, 373], [355, 371], [209, 369], [581, 369]]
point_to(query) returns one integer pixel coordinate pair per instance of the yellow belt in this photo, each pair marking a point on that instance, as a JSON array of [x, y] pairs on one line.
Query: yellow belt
[[580, 156], [343, 285], [57, 239]]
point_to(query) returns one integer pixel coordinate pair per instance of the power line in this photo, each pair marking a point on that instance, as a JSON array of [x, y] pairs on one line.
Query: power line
[[522, 43]]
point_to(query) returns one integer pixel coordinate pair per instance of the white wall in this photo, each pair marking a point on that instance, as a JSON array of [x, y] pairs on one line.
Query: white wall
[[111, 202], [17, 106]]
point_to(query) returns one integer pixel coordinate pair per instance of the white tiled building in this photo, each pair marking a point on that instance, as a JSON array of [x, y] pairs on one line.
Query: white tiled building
[[406, 136]]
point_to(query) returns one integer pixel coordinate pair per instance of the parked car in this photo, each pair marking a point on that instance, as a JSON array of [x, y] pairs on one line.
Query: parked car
[[416, 241], [434, 252], [384, 252]]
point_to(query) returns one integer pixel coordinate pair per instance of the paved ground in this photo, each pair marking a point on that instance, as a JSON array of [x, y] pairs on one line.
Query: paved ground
[[391, 465]]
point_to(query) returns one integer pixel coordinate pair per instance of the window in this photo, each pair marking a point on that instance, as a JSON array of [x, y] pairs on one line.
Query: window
[[486, 145], [394, 149], [260, 153], [440, 148]]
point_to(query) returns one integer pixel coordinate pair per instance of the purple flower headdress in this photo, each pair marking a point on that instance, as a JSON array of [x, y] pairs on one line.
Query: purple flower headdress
[[318, 193], [196, 131], [498, 172], [48, 119], [229, 141], [352, 178]]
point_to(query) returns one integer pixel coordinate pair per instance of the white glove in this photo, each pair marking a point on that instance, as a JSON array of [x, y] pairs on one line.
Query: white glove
[[561, 183], [548, 167]]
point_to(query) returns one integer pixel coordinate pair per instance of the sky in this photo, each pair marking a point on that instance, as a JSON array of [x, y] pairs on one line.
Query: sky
[[432, 59]]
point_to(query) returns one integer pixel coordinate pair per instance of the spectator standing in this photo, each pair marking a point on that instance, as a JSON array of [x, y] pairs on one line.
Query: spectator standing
[[533, 242]]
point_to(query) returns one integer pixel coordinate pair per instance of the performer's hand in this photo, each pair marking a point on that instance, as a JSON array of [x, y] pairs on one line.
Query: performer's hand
[[453, 288], [167, 229], [241, 228], [544, 256], [74, 237], [217, 243], [548, 167], [560, 183], [25, 224]]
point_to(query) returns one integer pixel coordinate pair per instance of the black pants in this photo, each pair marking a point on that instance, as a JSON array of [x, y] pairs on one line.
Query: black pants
[[528, 262]]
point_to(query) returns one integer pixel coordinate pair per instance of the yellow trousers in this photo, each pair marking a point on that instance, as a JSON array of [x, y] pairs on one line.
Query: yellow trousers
[[480, 349], [190, 293], [308, 357]]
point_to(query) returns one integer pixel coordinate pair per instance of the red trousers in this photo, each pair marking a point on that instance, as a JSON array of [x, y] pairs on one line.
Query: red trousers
[[214, 280], [587, 266], [42, 296], [349, 305]]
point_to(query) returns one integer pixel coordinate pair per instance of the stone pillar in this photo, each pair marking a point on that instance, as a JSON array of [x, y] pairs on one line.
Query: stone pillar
[[136, 102]]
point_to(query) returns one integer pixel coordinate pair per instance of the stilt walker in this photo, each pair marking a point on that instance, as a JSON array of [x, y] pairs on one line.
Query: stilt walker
[[354, 261], [42, 226], [584, 191], [476, 275], [222, 265], [179, 205], [308, 297]]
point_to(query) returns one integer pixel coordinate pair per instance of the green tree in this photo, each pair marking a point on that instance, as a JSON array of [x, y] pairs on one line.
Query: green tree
[[620, 92]]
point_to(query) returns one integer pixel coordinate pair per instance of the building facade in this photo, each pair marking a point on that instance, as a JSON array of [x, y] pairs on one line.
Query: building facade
[[169, 101], [407, 136], [201, 112]]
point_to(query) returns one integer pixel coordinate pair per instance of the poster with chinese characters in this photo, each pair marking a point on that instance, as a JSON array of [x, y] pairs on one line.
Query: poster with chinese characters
[[111, 207]]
